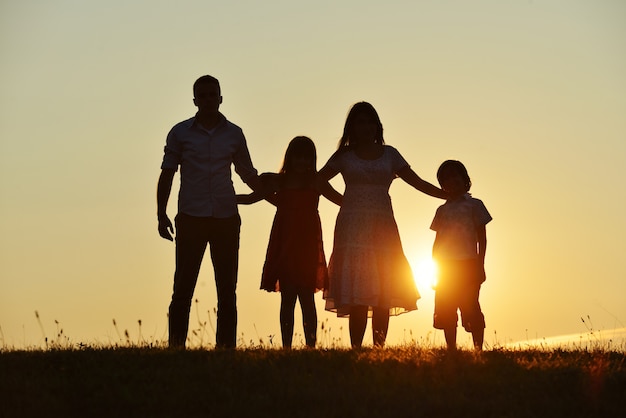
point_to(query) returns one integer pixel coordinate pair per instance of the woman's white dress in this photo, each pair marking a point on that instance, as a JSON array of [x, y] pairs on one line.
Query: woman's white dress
[[367, 265]]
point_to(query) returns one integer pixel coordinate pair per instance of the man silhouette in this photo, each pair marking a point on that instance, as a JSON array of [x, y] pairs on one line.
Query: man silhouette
[[204, 146]]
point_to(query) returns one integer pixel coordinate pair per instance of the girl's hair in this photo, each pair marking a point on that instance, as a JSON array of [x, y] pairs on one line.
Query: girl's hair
[[454, 167], [300, 146], [358, 109]]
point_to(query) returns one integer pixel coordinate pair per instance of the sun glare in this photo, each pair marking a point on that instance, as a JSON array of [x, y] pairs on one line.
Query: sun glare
[[425, 273]]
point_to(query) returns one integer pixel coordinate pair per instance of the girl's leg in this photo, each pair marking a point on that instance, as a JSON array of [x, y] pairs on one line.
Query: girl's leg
[[309, 317], [380, 325], [357, 324], [287, 305]]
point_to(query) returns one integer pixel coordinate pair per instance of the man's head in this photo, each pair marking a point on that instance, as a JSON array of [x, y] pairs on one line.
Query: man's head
[[207, 95], [205, 79]]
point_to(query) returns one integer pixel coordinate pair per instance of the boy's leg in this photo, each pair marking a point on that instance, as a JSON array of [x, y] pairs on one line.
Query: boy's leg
[[472, 315], [450, 334], [478, 336], [445, 316]]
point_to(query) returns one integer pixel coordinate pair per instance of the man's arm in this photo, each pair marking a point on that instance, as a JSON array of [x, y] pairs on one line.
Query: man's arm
[[164, 187], [255, 184]]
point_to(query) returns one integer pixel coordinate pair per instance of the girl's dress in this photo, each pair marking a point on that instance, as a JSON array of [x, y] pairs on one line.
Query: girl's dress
[[368, 266], [295, 253]]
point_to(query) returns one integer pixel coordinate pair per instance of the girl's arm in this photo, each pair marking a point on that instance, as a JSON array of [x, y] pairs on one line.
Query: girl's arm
[[250, 198], [267, 191], [408, 175]]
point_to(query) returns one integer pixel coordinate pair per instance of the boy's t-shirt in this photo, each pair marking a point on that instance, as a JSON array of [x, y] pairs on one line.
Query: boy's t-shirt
[[455, 223]]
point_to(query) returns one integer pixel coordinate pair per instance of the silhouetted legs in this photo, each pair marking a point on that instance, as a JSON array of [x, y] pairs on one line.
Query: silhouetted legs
[[193, 234], [450, 334], [458, 289], [478, 336], [287, 306], [473, 319], [380, 325], [224, 242], [358, 323], [289, 295]]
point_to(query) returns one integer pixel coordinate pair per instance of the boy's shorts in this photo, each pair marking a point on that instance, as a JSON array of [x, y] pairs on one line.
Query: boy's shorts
[[458, 288]]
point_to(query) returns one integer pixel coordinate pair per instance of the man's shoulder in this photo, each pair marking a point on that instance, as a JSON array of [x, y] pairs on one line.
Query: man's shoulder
[[230, 125], [185, 124]]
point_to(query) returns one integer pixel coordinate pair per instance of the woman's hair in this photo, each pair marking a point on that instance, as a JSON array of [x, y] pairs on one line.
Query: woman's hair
[[454, 167], [358, 109], [300, 146]]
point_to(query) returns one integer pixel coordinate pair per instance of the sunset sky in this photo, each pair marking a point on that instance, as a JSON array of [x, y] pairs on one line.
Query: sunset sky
[[529, 94]]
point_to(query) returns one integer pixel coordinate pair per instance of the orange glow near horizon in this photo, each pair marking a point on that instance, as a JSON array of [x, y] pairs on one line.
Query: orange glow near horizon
[[424, 273]]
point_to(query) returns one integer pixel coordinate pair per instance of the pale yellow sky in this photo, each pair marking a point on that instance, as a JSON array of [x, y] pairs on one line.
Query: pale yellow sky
[[531, 95]]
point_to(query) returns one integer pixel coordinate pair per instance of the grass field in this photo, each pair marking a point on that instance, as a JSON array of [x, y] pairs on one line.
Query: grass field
[[409, 381]]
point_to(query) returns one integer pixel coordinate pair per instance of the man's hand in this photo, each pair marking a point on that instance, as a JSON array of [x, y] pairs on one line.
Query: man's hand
[[166, 229], [164, 186]]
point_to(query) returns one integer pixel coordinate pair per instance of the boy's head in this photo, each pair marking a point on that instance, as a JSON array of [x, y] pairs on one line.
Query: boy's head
[[450, 171]]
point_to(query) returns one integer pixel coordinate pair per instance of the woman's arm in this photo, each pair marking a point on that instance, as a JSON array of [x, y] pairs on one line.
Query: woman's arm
[[408, 175], [325, 174], [328, 191], [323, 186]]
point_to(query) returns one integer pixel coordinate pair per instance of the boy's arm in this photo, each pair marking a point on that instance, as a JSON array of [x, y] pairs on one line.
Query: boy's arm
[[481, 235]]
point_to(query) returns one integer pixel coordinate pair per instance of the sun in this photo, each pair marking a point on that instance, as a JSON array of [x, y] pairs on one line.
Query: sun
[[424, 272]]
